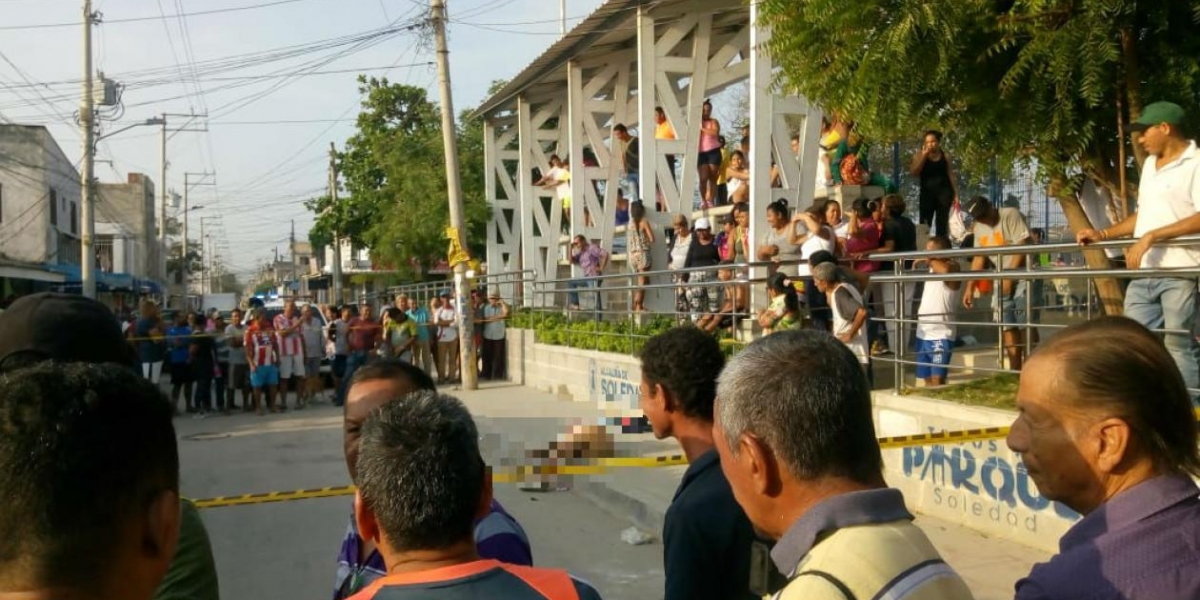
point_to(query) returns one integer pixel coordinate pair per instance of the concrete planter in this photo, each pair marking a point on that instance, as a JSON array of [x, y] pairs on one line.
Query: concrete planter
[[981, 485]]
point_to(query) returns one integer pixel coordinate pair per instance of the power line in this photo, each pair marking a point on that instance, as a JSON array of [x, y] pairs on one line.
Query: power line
[[200, 13]]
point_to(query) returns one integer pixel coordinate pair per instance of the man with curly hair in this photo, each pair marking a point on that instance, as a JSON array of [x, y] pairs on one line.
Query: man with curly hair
[[707, 540]]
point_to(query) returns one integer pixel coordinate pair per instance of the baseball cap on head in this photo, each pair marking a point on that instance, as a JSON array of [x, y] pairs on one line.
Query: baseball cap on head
[[1158, 113], [702, 223], [62, 328], [978, 207]]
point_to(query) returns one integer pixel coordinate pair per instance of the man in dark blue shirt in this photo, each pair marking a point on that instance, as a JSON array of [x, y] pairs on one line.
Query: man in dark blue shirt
[[707, 539]]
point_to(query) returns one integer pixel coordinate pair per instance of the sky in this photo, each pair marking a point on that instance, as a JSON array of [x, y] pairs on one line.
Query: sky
[[267, 138]]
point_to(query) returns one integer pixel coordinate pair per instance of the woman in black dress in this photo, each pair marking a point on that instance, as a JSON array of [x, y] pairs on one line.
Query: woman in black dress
[[938, 189]]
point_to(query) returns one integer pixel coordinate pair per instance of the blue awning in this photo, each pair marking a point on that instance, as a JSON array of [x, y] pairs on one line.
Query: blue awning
[[105, 282]]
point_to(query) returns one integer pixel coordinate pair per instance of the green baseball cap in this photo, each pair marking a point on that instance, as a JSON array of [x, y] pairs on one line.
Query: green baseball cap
[[1156, 113]]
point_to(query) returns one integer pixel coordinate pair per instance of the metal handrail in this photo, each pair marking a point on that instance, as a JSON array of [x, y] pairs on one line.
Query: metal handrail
[[1024, 249]]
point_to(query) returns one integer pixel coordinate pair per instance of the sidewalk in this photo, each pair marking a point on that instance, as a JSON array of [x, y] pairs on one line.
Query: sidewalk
[[519, 419]]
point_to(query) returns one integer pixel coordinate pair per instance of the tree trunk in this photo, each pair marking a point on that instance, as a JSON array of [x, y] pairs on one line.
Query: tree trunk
[[1133, 89], [1112, 295]]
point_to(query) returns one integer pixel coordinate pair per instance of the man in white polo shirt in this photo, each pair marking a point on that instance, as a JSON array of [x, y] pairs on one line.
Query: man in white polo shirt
[[1168, 207]]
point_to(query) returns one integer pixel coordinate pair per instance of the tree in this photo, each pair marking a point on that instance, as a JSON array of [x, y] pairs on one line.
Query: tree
[[395, 175], [194, 260], [1046, 82]]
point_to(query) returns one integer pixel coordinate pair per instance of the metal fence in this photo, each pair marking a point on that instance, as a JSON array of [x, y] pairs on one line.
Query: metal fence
[[1056, 296]]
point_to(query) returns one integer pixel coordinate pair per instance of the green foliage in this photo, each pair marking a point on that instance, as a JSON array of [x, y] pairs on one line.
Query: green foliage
[[998, 391], [394, 172], [1033, 79], [622, 336]]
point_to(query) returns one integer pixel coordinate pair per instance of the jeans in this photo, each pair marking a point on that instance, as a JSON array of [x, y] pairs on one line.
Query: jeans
[[629, 184], [587, 282], [354, 360], [1169, 303]]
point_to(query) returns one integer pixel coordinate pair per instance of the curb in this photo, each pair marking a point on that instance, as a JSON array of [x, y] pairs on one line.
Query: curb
[[623, 506]]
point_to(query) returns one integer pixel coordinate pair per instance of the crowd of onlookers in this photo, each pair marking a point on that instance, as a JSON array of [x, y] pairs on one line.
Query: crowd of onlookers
[[784, 495], [267, 358]]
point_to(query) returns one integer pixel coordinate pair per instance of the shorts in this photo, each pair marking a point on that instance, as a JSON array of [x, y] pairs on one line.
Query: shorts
[[711, 157], [264, 375], [238, 376], [291, 365], [934, 356], [181, 373], [312, 365], [339, 365], [152, 371], [1011, 310]]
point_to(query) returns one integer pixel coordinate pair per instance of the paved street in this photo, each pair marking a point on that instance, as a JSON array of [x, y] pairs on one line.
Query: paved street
[[286, 550]]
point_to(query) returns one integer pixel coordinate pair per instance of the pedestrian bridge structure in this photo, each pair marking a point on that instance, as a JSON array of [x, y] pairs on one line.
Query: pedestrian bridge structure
[[615, 67]]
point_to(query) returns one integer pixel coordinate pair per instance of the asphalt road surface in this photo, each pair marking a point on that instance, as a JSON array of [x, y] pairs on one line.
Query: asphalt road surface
[[288, 550]]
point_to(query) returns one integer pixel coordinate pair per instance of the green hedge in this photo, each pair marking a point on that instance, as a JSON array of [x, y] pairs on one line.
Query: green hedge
[[622, 336]]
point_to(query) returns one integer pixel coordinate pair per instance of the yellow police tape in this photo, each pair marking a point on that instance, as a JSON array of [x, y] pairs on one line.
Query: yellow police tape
[[524, 473], [600, 466]]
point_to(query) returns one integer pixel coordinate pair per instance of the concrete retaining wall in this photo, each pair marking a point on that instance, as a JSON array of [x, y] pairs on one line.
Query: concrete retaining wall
[[980, 485]]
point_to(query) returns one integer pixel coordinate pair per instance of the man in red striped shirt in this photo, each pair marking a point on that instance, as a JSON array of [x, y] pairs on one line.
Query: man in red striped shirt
[[262, 350], [291, 351]]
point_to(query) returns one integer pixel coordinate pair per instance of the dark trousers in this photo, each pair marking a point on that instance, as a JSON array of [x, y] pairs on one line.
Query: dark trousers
[[495, 355], [202, 397], [818, 306], [934, 210], [219, 384]]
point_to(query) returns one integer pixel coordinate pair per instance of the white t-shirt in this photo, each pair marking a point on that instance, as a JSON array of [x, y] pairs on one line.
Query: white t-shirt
[[1166, 197], [446, 334], [563, 177], [679, 251], [812, 245], [938, 305]]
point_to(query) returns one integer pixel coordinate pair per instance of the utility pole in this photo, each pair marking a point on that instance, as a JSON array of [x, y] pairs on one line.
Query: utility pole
[[292, 249], [562, 17], [336, 268], [463, 309], [87, 120], [162, 205], [162, 209], [203, 257], [185, 264]]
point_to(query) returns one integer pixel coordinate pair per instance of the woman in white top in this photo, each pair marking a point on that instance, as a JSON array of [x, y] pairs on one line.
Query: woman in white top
[[680, 243], [558, 178], [737, 178], [810, 232], [841, 226]]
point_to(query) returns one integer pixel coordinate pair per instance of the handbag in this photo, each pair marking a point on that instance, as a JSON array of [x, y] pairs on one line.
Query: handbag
[[958, 223]]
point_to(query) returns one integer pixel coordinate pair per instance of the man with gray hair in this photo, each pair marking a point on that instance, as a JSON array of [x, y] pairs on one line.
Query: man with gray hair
[[422, 484], [794, 430]]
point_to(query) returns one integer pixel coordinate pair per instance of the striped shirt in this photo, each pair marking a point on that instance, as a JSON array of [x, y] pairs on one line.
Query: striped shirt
[[290, 344], [258, 341], [497, 536]]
